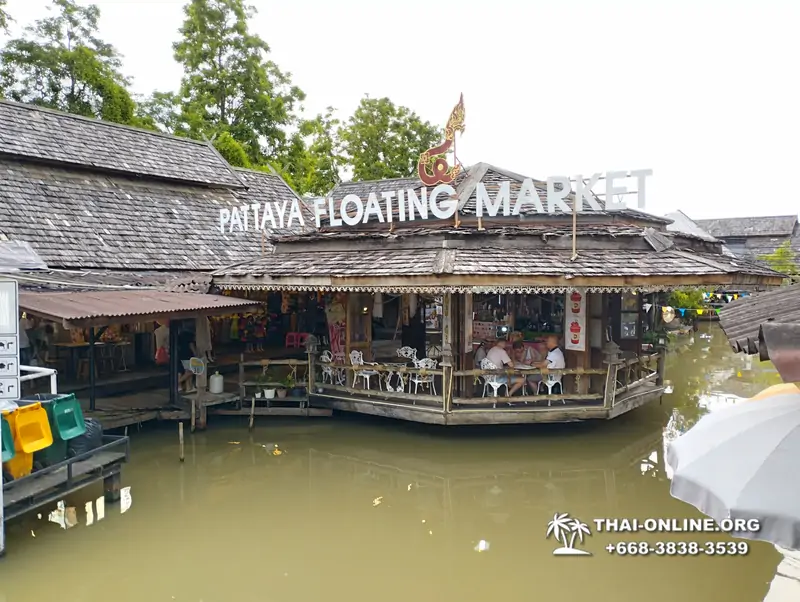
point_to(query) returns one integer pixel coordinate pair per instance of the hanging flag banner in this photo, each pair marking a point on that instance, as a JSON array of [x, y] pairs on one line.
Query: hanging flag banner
[[575, 321]]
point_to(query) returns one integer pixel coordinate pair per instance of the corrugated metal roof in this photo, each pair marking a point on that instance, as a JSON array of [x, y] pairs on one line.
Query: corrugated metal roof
[[95, 307], [741, 319]]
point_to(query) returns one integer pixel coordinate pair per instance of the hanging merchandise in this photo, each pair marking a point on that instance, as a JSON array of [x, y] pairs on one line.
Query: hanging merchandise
[[377, 305], [284, 303], [668, 314]]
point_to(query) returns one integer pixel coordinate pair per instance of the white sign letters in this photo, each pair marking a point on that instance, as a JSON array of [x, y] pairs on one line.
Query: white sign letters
[[441, 203]]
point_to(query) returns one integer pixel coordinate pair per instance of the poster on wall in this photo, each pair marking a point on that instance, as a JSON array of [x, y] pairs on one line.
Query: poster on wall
[[575, 321]]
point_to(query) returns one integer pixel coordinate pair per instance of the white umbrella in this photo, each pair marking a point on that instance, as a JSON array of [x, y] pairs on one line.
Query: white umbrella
[[742, 462]]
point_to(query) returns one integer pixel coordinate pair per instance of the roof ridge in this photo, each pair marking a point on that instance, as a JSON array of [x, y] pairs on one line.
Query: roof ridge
[[715, 219], [139, 130]]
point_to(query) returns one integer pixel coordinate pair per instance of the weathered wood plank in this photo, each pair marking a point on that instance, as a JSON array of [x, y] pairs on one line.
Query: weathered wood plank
[[14, 492]]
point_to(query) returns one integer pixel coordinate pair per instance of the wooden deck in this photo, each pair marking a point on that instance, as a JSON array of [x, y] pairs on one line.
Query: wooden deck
[[518, 413], [37, 489]]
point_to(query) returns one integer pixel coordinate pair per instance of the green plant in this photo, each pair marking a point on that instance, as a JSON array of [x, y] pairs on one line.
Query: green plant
[[783, 260], [691, 299], [289, 381]]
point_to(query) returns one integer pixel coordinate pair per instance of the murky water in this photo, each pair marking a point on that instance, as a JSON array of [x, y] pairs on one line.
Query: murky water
[[377, 511]]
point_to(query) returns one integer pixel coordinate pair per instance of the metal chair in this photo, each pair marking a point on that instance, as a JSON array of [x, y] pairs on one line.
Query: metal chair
[[550, 380], [426, 380], [492, 380], [357, 359]]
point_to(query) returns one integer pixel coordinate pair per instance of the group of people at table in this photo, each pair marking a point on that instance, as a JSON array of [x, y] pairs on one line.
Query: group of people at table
[[522, 358]]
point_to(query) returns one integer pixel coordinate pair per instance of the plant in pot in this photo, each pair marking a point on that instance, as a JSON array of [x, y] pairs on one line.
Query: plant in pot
[[298, 389], [260, 381], [286, 385], [269, 392]]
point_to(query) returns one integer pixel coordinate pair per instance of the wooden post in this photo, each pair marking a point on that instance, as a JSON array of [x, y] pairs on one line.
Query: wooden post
[[252, 413], [466, 385], [661, 364], [242, 388], [202, 416], [447, 351], [193, 424], [180, 439], [92, 369], [111, 487], [174, 395]]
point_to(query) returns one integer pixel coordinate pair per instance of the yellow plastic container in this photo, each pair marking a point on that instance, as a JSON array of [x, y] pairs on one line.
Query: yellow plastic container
[[31, 430]]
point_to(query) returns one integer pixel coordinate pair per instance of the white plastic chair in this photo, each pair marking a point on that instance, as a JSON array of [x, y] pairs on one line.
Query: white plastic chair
[[427, 379], [491, 380], [357, 359], [326, 357], [409, 353], [550, 380]]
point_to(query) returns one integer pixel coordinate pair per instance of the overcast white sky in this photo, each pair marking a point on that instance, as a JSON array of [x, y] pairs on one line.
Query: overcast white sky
[[703, 92]]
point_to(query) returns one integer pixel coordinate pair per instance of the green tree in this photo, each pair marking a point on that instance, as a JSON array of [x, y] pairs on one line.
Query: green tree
[[229, 84], [689, 299], [231, 150], [4, 18], [382, 140], [783, 260], [161, 109], [61, 63], [313, 159]]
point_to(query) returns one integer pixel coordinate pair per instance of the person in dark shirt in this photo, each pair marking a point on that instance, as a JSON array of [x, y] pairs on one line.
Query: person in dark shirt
[[186, 351]]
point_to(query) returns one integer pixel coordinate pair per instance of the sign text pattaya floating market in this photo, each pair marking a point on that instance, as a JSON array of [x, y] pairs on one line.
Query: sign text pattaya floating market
[[441, 202]]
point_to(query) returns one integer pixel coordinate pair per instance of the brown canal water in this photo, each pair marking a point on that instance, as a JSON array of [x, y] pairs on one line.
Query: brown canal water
[[379, 511]]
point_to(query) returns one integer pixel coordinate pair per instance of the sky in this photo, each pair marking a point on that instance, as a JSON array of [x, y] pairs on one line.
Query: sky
[[705, 93]]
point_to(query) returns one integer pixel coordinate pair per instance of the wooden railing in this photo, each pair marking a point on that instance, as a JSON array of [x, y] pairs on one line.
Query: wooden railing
[[602, 388], [633, 372], [512, 373], [396, 377]]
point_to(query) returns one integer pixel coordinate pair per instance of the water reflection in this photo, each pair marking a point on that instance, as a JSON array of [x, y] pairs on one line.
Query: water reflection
[[358, 510]]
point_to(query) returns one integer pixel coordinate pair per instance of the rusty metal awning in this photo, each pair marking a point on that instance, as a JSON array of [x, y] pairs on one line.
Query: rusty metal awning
[[101, 308]]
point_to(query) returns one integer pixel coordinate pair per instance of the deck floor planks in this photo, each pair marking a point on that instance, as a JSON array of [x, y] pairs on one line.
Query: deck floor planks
[[16, 493]]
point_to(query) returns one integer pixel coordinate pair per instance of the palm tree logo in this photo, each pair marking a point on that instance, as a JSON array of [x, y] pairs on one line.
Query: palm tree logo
[[565, 530]]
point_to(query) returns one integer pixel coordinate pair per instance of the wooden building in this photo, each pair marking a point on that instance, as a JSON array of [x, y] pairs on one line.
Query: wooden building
[[124, 219], [438, 288], [752, 237]]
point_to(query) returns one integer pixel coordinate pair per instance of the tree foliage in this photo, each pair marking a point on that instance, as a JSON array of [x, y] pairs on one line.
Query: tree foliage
[[61, 63], [4, 18], [783, 260], [690, 299], [229, 84], [382, 140]]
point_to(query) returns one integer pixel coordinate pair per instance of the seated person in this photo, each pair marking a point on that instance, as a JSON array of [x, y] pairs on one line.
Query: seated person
[[524, 358], [555, 357], [499, 357]]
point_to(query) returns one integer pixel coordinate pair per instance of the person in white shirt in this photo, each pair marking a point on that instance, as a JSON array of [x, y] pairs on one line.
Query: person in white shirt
[[499, 357], [555, 357]]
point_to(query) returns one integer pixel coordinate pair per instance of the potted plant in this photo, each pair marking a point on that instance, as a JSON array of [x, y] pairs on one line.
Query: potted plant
[[269, 392], [259, 385], [286, 384], [298, 389]]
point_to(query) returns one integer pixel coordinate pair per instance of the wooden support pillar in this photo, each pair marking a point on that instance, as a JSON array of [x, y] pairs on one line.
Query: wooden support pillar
[[92, 371], [111, 487], [447, 351], [466, 385], [661, 363], [173, 362]]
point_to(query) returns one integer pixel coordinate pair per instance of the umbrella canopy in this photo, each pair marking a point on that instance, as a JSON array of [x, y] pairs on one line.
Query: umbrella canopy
[[743, 463]]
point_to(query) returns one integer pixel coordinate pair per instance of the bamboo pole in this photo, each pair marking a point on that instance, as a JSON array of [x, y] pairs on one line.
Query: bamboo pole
[[252, 413], [180, 439]]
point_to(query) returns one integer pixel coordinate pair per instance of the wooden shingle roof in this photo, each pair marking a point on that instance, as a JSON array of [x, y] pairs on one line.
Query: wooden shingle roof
[[55, 137], [466, 269], [741, 319], [93, 220], [737, 227]]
